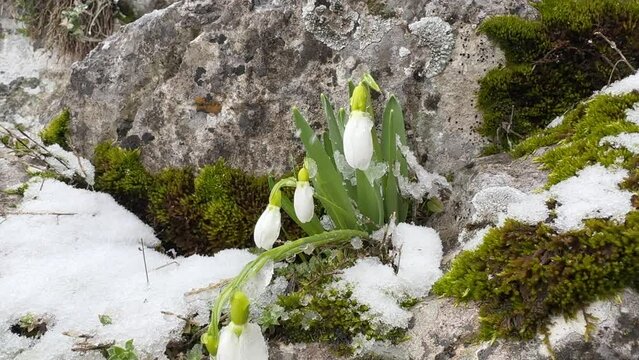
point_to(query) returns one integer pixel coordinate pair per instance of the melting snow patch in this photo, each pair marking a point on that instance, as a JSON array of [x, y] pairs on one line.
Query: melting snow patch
[[622, 86], [632, 115], [532, 209], [628, 140], [377, 286], [72, 255], [556, 122], [69, 164], [491, 202], [593, 193]]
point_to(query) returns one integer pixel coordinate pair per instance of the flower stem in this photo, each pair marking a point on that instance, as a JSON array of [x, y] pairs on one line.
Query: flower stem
[[276, 254]]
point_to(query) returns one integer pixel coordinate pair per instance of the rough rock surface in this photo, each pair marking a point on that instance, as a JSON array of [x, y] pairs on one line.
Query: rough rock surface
[[205, 79]]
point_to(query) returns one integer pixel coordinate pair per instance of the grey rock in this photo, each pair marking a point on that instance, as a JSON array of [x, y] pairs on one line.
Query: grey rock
[[248, 62]]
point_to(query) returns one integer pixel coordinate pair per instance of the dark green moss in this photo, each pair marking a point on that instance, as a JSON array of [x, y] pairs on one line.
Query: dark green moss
[[580, 134], [523, 274], [553, 63], [203, 213], [57, 131]]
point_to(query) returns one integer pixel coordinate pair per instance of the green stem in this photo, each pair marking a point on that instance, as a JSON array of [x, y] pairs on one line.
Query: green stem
[[286, 182], [276, 254]]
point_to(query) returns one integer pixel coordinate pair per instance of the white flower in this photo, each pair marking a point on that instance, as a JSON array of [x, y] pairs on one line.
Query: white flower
[[249, 345], [358, 141], [303, 201], [267, 228]]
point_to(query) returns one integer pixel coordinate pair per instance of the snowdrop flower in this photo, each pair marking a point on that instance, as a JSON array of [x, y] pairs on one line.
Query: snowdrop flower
[[303, 198], [267, 228], [240, 340], [358, 140]]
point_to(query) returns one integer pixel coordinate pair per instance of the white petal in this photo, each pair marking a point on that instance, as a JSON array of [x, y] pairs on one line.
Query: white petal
[[303, 201], [229, 347], [358, 141], [252, 343], [267, 228]]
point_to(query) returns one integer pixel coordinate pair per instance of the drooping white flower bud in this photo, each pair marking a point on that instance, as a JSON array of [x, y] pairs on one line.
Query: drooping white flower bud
[[358, 140], [303, 197], [267, 228]]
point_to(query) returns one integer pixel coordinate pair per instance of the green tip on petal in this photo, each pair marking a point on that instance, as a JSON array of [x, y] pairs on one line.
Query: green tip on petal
[[210, 342], [302, 175], [359, 100], [239, 308], [276, 198]]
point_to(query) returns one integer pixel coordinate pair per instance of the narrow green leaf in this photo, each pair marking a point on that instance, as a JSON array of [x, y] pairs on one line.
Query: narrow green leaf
[[333, 128], [368, 80], [351, 87], [341, 121], [328, 181], [369, 201]]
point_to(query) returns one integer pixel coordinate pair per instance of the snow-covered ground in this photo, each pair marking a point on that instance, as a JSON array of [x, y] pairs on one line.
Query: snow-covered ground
[[70, 255]]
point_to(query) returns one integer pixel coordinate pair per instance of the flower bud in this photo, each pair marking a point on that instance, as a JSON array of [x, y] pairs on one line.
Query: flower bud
[[359, 99], [267, 228], [239, 308], [358, 140], [303, 201]]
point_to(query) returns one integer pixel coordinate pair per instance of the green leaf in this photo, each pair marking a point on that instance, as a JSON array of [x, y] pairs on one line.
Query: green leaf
[[334, 131], [369, 201], [351, 88], [341, 120], [368, 80], [329, 188], [195, 353], [435, 205], [393, 127], [105, 319]]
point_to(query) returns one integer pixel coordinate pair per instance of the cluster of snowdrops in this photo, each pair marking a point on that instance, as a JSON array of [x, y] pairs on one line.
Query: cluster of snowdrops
[[355, 176]]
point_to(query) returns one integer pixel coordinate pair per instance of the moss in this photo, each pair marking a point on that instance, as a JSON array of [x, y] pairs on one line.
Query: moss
[[120, 173], [523, 274], [57, 131], [313, 311], [192, 213], [580, 134], [554, 62]]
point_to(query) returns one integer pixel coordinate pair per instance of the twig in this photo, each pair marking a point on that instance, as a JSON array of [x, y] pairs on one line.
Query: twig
[[92, 347], [39, 213], [212, 286], [613, 46], [146, 271], [614, 68], [165, 265]]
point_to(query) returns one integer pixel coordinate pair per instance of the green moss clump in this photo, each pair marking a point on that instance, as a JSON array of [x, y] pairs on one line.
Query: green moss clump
[[120, 172], [202, 213], [381, 9], [313, 311], [579, 136], [57, 131], [523, 274], [554, 62]]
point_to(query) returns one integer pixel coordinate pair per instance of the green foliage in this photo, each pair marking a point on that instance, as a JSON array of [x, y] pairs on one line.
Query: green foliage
[[120, 172], [201, 213], [579, 136], [522, 274], [313, 311], [554, 62], [57, 131], [122, 353], [30, 325], [105, 319]]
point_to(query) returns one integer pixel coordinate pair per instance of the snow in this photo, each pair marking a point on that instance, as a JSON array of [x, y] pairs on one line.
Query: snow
[[556, 122], [477, 238], [69, 164], [628, 140], [427, 182], [348, 173], [622, 86], [632, 115], [418, 268], [70, 255], [532, 209], [593, 193], [17, 57]]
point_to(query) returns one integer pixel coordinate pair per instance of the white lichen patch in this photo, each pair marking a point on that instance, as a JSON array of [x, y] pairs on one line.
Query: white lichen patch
[[437, 35]]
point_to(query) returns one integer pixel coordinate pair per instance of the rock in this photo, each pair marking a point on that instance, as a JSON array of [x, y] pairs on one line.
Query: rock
[[205, 79]]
